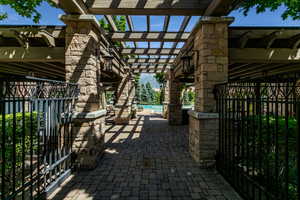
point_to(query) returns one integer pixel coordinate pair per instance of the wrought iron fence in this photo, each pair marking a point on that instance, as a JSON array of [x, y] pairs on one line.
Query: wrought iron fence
[[35, 136], [259, 137]]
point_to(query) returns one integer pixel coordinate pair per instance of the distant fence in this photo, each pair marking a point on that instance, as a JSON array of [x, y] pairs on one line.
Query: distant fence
[[259, 137], [35, 136]]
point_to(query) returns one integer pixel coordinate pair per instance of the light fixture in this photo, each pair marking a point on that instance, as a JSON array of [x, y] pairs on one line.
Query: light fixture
[[187, 66], [108, 61]]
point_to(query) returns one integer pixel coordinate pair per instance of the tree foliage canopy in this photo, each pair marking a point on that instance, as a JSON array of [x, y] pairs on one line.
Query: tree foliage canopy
[[292, 7], [160, 78], [25, 8]]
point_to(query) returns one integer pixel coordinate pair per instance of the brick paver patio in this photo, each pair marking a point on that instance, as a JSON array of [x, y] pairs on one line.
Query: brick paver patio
[[146, 159]]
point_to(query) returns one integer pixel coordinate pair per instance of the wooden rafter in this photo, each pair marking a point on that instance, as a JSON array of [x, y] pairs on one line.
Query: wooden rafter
[[72, 6], [268, 40], [261, 55], [148, 27], [151, 51], [294, 41], [130, 27], [182, 28], [219, 7], [151, 60], [150, 36], [242, 41], [149, 7], [165, 28], [32, 54]]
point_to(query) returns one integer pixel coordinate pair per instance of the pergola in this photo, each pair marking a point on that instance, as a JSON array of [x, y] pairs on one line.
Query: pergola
[[213, 54], [148, 59]]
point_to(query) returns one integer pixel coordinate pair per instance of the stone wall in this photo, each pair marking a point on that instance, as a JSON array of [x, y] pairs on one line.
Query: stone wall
[[83, 67]]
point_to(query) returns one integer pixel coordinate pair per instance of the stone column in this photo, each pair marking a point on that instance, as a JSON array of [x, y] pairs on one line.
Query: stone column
[[211, 42], [125, 97], [83, 67], [174, 107], [166, 96]]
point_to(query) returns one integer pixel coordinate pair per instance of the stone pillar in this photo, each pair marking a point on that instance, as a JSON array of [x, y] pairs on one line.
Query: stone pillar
[[83, 67], [125, 97], [211, 42], [174, 107], [166, 96]]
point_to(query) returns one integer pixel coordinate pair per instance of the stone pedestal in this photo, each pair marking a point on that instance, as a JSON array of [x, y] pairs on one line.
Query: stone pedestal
[[211, 43], [83, 67], [165, 110], [203, 137], [88, 131]]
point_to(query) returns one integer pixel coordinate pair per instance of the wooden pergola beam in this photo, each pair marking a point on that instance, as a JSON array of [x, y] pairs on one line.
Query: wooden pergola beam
[[150, 60], [165, 28], [151, 51], [182, 28], [261, 55], [150, 36], [32, 54], [72, 6], [219, 8], [131, 27], [268, 40], [294, 41], [242, 41], [148, 7]]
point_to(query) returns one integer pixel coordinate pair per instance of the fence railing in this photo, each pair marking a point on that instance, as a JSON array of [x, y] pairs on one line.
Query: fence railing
[[35, 135], [259, 138]]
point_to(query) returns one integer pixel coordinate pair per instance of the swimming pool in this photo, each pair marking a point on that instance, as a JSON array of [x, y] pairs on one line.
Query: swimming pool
[[155, 108], [159, 108]]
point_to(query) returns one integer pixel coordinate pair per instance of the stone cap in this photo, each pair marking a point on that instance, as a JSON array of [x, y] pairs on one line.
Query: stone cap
[[89, 115], [203, 115]]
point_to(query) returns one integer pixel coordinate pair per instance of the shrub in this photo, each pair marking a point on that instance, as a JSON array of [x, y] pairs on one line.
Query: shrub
[[264, 139], [26, 124]]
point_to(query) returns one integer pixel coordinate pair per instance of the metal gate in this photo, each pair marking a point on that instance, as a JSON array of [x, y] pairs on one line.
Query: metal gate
[[259, 137], [35, 135]]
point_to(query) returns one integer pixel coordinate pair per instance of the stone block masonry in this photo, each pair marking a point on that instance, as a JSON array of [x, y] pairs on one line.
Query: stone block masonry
[[83, 67], [174, 107], [125, 98], [211, 41]]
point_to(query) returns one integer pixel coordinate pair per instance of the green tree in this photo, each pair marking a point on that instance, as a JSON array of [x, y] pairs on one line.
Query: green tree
[[160, 78], [150, 93], [120, 23], [292, 7], [25, 8], [143, 94]]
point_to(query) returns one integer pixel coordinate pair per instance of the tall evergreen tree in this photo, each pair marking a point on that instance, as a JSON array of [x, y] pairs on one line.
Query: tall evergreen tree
[[144, 95], [150, 93], [160, 78]]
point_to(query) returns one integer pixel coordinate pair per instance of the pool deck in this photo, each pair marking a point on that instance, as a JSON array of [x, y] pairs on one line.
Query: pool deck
[[146, 160]]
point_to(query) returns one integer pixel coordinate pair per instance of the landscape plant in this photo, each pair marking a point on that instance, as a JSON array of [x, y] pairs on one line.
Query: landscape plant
[[25, 137]]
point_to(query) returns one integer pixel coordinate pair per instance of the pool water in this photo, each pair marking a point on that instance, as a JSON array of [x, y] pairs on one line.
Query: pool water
[[155, 108], [158, 108]]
